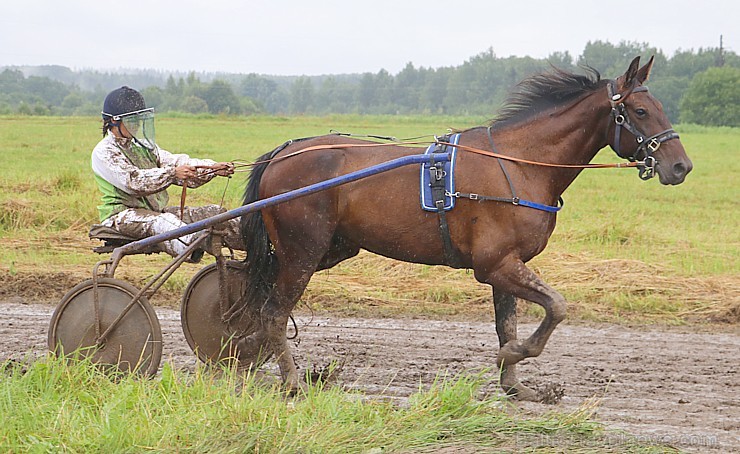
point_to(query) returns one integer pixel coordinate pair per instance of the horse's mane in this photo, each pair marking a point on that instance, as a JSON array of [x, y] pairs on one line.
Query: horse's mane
[[543, 91]]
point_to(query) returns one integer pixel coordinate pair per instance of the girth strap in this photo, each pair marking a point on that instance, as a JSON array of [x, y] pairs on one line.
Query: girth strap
[[512, 200], [437, 182]]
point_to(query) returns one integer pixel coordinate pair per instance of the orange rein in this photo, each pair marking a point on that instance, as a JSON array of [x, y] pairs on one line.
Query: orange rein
[[614, 165]]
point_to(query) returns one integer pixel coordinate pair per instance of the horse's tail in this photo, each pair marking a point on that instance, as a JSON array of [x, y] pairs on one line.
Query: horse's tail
[[261, 263]]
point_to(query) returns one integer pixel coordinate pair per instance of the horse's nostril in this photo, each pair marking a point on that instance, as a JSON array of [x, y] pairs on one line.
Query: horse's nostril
[[679, 169]]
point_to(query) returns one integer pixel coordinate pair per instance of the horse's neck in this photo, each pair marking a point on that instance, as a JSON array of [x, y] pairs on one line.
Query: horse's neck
[[572, 135]]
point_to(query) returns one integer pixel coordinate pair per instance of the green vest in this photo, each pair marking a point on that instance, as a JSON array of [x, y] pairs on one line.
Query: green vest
[[115, 200]]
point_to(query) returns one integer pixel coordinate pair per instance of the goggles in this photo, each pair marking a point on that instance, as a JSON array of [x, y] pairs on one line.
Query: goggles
[[140, 125]]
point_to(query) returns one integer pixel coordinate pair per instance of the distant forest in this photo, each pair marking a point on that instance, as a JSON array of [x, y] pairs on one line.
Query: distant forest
[[695, 86]]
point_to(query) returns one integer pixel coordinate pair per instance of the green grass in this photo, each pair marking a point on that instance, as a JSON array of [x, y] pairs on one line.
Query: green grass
[[686, 235], [55, 406]]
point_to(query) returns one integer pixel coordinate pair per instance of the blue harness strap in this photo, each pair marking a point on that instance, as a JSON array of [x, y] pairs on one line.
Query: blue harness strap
[[446, 171], [448, 174], [542, 207]]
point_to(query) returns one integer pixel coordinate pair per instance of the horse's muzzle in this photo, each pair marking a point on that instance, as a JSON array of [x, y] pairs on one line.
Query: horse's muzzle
[[673, 174]]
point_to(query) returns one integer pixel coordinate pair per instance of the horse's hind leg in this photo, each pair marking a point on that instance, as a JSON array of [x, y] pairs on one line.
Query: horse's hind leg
[[300, 248], [274, 316], [506, 328]]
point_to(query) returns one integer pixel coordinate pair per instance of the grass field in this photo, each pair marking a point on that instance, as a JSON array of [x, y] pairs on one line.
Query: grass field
[[623, 248]]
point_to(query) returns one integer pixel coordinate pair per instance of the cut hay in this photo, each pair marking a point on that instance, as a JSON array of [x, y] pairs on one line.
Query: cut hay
[[373, 286], [591, 286]]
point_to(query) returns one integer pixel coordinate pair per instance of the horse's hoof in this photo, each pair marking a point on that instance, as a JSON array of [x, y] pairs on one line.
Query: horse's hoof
[[521, 392], [252, 350], [294, 389]]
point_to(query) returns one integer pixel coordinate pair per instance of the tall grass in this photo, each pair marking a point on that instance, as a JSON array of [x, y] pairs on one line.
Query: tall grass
[[51, 405]]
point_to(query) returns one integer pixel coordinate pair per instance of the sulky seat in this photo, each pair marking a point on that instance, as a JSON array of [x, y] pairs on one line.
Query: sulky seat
[[112, 239]]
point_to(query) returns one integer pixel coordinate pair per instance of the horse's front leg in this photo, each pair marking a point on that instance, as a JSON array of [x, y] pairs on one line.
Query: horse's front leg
[[512, 277], [506, 328]]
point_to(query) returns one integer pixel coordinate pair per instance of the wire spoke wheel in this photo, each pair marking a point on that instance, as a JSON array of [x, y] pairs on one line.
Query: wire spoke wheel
[[133, 345], [208, 329]]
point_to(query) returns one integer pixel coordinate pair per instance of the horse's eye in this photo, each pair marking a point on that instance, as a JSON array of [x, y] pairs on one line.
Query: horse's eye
[[640, 112]]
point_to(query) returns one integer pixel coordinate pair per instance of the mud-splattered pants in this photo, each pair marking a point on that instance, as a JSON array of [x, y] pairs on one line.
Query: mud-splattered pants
[[140, 223]]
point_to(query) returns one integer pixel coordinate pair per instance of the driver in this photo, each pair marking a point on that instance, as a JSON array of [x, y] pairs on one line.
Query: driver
[[133, 174]]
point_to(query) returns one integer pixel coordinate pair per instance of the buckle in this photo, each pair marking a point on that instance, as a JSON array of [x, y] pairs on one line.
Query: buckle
[[438, 173], [653, 145]]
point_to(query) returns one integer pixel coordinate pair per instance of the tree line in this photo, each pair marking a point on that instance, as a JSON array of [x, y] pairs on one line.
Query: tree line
[[700, 87]]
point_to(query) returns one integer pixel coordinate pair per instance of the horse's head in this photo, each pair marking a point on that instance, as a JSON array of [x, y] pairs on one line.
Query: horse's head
[[648, 137]]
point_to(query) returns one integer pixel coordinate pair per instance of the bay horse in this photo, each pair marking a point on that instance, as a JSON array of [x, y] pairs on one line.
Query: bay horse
[[557, 118]]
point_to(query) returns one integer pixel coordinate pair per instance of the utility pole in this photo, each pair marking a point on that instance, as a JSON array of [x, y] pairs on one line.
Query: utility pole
[[721, 55]]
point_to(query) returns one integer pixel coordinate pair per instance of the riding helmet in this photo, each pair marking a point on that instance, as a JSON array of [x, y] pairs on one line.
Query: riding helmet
[[123, 101]]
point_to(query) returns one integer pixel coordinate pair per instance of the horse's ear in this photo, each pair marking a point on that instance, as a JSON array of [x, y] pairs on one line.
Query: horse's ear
[[644, 73], [627, 79]]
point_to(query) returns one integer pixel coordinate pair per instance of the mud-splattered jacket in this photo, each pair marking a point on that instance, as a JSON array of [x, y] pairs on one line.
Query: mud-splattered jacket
[[130, 176]]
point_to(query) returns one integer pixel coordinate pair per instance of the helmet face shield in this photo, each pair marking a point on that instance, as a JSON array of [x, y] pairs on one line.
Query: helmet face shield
[[140, 125]]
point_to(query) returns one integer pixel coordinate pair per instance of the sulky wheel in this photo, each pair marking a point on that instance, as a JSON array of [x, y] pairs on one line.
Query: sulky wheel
[[134, 344], [211, 333]]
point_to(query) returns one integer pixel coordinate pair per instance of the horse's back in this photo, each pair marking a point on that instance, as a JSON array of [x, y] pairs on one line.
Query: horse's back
[[380, 213], [321, 158], [332, 155]]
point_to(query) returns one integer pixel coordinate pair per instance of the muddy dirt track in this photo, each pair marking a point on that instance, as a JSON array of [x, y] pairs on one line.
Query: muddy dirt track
[[679, 386]]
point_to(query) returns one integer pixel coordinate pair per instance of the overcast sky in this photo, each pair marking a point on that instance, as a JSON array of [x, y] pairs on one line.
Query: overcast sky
[[296, 37]]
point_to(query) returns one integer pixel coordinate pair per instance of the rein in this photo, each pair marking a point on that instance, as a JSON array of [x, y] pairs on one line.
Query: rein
[[614, 165], [515, 200]]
